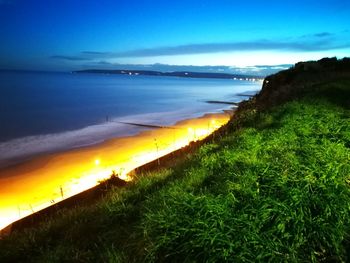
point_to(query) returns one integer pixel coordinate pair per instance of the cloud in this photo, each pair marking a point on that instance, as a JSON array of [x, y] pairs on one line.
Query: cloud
[[321, 44], [322, 41], [94, 53], [104, 63], [70, 58], [317, 35], [323, 34]]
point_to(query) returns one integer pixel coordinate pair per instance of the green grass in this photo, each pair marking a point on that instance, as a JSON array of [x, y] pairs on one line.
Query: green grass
[[275, 190]]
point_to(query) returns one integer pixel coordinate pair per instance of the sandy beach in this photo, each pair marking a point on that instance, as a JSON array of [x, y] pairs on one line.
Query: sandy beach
[[42, 181]]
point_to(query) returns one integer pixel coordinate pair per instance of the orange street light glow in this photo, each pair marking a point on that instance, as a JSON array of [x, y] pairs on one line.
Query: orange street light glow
[[36, 184]]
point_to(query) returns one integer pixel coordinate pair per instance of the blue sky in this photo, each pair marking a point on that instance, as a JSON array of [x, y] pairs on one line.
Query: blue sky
[[71, 34]]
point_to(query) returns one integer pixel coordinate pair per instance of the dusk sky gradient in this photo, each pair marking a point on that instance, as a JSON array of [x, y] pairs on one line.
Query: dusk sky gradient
[[71, 34]]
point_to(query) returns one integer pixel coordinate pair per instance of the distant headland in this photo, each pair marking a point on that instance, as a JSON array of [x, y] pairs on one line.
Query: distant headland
[[183, 74]]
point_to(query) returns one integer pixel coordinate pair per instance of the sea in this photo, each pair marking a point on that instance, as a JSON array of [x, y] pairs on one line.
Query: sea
[[45, 112]]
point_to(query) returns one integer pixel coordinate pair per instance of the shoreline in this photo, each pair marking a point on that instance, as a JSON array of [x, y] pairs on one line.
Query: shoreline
[[26, 189], [125, 130]]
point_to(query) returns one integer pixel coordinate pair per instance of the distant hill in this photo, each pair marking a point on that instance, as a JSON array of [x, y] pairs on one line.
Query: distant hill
[[183, 74]]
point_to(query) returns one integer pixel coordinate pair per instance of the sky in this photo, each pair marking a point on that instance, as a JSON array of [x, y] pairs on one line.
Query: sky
[[216, 35]]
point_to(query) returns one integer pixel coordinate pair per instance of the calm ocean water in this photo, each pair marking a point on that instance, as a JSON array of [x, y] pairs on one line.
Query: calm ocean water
[[45, 112]]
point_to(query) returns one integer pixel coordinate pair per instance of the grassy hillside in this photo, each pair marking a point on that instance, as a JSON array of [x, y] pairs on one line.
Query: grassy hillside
[[275, 187]]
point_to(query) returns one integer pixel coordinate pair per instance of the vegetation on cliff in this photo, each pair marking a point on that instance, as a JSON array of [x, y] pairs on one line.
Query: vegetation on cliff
[[300, 80], [273, 186]]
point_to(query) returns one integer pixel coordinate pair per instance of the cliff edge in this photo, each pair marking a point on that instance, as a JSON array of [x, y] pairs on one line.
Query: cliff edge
[[303, 78]]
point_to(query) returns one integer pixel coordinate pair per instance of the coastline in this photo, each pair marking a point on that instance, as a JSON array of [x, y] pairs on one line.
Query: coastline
[[23, 149], [26, 188]]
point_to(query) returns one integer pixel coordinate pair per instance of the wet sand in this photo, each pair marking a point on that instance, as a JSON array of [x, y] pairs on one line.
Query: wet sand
[[38, 183]]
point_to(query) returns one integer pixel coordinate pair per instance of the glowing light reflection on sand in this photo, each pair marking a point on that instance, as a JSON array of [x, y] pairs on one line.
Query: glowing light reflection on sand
[[43, 181]]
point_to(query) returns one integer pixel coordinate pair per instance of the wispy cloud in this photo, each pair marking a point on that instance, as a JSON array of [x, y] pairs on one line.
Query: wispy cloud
[[322, 41], [323, 34], [320, 44], [71, 58], [318, 35], [94, 53]]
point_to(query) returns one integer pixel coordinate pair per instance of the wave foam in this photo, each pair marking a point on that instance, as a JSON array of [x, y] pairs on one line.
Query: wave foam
[[19, 149]]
